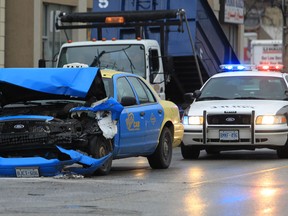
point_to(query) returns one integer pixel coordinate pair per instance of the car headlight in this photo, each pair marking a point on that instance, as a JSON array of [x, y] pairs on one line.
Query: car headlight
[[192, 120], [271, 119]]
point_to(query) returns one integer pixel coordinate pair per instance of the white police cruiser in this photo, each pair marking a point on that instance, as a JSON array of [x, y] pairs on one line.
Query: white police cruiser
[[241, 108]]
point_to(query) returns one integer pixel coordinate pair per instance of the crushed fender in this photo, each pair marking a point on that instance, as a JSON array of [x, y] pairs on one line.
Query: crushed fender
[[42, 167]]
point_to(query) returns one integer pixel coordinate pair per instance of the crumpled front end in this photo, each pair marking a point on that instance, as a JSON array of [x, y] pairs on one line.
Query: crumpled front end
[[39, 166]]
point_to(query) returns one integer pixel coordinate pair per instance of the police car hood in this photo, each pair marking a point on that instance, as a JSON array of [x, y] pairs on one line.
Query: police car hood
[[238, 106], [24, 84]]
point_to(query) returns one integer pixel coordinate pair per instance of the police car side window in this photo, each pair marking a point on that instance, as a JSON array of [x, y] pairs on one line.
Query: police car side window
[[286, 79], [123, 89], [143, 92]]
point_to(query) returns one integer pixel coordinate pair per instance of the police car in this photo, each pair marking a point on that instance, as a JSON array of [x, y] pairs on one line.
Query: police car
[[239, 108]]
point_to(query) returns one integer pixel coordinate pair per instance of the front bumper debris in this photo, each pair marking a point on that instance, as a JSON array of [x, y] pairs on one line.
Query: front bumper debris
[[42, 167]]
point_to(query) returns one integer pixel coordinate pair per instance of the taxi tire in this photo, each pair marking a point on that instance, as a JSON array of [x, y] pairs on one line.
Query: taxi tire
[[162, 156], [189, 152], [99, 147]]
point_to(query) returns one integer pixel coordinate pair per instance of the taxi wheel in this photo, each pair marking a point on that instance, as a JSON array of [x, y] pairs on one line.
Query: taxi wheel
[[189, 152], [282, 152], [162, 156], [99, 147]]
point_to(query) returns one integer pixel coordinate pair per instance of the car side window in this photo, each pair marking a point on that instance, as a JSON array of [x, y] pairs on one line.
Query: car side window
[[123, 89], [143, 92]]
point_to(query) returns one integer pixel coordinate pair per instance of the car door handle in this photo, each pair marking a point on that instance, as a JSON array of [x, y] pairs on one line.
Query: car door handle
[[142, 113]]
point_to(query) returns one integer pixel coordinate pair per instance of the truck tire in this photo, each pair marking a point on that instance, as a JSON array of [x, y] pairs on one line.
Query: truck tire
[[162, 156], [99, 147], [189, 152]]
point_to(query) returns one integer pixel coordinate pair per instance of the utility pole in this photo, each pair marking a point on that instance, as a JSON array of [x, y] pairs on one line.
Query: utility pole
[[285, 37]]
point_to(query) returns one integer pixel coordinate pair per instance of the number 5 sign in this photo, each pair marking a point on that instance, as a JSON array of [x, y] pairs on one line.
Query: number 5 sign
[[103, 3]]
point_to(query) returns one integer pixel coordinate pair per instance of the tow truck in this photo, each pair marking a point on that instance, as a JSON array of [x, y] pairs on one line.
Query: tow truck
[[144, 57], [178, 48]]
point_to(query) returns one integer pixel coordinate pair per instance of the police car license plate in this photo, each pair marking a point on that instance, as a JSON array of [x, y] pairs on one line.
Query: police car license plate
[[27, 172], [228, 135]]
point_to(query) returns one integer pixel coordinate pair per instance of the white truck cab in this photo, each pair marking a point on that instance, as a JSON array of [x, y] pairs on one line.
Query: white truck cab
[[137, 56]]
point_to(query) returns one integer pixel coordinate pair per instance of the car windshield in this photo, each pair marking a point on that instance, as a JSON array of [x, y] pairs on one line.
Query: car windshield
[[244, 88], [128, 58]]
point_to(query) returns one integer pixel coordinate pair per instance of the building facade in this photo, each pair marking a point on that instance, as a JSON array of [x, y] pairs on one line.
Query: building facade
[[2, 32], [27, 31], [30, 32]]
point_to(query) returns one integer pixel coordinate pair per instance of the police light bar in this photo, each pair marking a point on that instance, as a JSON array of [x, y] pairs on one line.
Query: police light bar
[[236, 67], [278, 67]]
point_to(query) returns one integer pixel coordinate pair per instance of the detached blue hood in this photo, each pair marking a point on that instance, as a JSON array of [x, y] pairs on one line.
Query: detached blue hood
[[29, 83]]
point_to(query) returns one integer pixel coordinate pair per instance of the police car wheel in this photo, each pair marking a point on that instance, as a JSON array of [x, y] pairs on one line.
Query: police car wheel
[[212, 152], [282, 152], [189, 152], [99, 147], [162, 156]]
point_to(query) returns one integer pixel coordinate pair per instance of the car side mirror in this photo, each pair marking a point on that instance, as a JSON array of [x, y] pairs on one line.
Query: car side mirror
[[189, 97], [128, 101], [197, 93], [42, 63]]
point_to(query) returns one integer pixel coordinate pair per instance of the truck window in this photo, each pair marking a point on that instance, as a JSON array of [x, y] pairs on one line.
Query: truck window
[[128, 58], [154, 61]]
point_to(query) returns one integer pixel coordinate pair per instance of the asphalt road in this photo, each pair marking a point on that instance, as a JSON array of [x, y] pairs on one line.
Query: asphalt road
[[233, 183]]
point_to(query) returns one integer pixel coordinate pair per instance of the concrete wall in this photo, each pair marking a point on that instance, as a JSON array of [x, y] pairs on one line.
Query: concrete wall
[[2, 33], [19, 33], [23, 29]]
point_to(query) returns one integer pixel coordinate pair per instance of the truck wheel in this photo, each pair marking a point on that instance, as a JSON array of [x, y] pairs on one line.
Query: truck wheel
[[189, 152], [282, 152], [162, 156], [99, 147]]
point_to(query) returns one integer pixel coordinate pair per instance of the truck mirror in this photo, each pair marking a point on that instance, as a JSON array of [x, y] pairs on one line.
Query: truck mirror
[[152, 77], [42, 63]]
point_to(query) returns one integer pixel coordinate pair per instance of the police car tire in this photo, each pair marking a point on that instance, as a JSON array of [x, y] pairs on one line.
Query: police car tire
[[162, 156], [282, 152], [212, 152], [189, 152], [99, 147]]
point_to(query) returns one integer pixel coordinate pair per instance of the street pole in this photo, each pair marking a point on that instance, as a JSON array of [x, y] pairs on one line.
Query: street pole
[[284, 38]]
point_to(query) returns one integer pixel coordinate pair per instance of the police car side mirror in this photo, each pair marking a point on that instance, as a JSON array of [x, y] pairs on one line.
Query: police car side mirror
[[189, 97], [197, 93]]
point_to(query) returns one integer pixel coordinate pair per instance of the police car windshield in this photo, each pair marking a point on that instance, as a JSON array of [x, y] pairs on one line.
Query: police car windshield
[[244, 88]]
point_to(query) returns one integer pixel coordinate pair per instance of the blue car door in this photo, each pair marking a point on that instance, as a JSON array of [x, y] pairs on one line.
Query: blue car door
[[131, 126], [153, 113]]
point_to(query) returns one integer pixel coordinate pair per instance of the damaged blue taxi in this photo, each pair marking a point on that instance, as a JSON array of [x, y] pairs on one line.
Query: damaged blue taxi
[[54, 118]]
